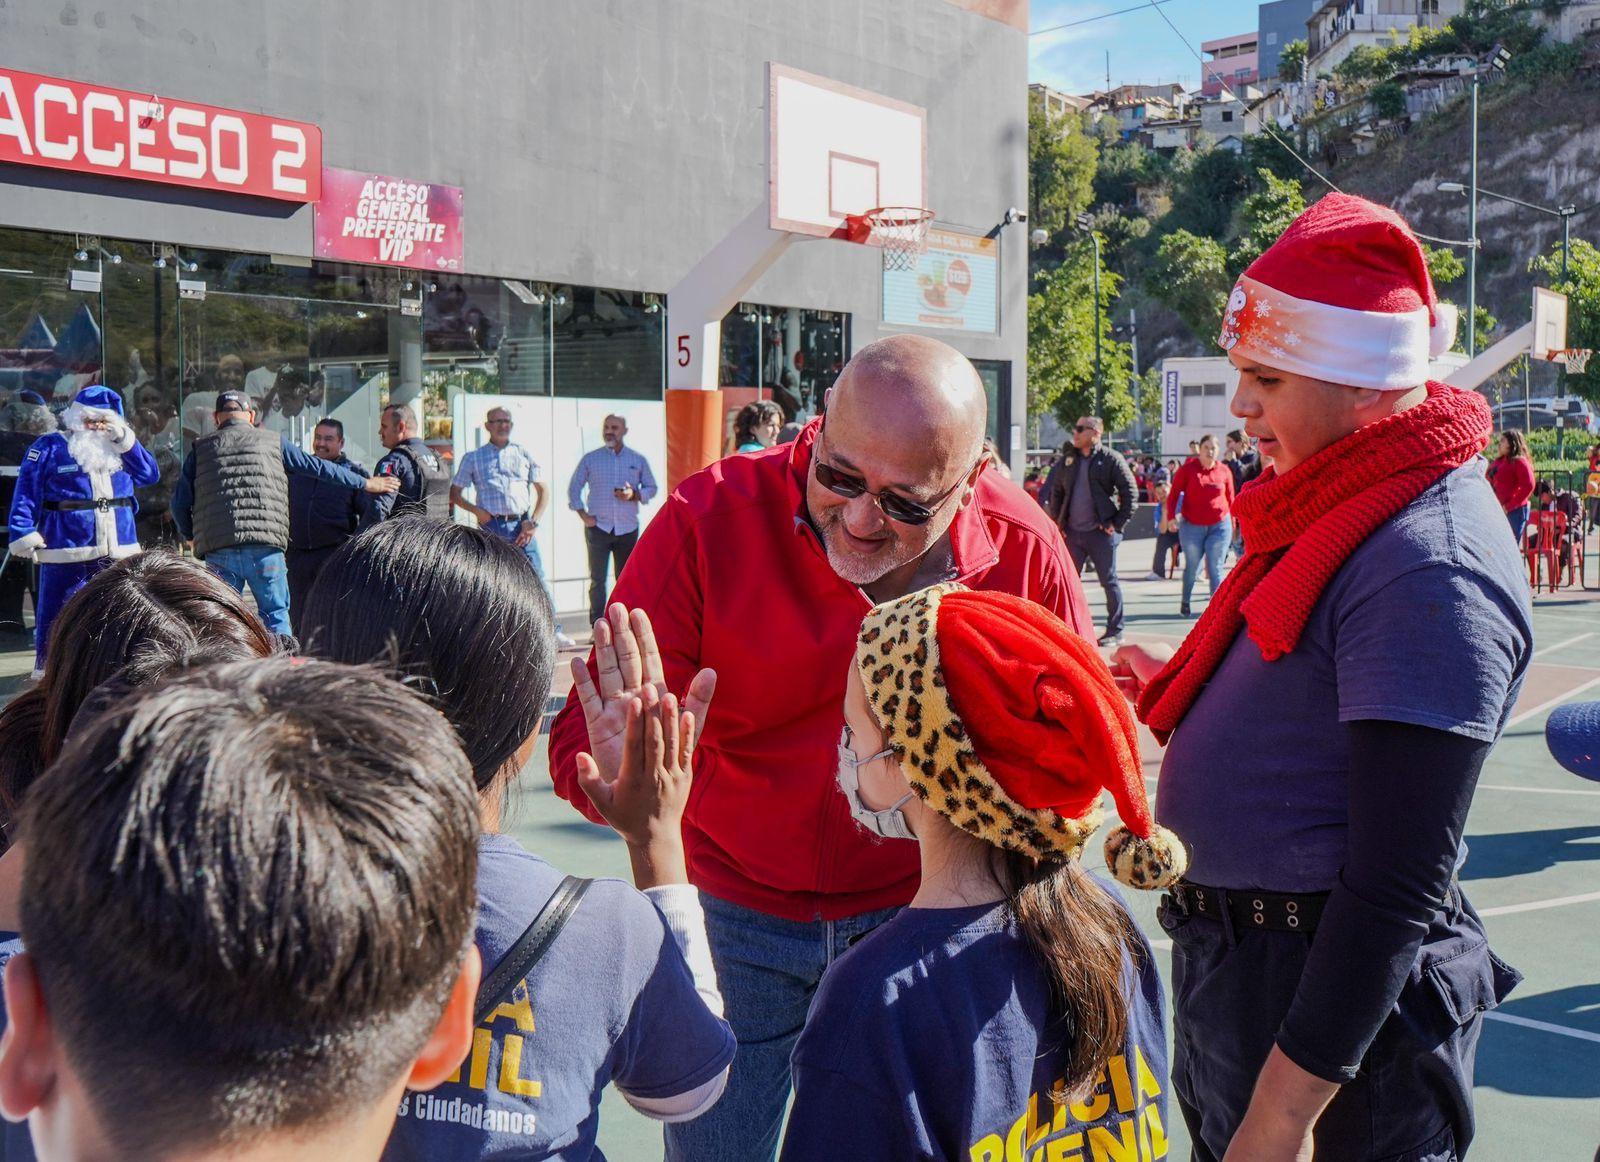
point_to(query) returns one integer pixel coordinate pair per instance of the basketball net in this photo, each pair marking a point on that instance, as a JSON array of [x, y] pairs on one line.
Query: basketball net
[[902, 233], [1574, 359]]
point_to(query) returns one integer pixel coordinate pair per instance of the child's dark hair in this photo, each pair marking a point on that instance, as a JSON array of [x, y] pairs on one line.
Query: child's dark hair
[[455, 610], [151, 605], [249, 893], [1084, 942]]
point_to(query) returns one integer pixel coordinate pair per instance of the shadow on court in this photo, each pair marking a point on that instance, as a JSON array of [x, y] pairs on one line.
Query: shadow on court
[[1519, 1060], [1515, 853]]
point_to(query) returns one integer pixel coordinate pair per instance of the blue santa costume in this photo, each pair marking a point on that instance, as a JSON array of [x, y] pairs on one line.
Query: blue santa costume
[[73, 509]]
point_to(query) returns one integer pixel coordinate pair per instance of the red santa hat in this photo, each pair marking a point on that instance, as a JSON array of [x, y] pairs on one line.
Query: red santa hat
[[1011, 726], [1343, 296]]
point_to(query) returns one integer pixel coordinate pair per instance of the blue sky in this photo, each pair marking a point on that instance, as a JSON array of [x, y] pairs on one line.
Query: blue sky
[[1143, 49]]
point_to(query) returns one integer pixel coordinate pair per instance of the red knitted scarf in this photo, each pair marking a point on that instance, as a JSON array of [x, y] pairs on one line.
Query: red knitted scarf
[[1300, 529]]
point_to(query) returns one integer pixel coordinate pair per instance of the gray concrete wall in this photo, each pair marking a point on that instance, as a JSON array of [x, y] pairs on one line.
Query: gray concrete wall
[[605, 142]]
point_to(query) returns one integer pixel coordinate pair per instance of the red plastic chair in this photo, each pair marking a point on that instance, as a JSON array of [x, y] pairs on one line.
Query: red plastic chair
[[1541, 545]]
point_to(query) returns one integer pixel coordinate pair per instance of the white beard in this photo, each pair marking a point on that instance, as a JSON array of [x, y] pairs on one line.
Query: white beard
[[92, 450]]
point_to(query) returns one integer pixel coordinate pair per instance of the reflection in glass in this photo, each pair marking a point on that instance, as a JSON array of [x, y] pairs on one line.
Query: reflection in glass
[[608, 344]]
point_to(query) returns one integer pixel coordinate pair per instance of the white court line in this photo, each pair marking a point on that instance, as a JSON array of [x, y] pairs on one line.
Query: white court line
[[1556, 701], [1538, 905], [1536, 790], [1571, 641], [1544, 1026]]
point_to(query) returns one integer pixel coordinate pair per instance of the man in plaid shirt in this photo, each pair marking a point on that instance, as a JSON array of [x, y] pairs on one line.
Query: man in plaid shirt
[[619, 481]]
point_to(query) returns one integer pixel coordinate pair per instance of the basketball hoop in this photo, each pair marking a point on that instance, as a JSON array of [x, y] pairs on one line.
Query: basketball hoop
[[902, 232], [1574, 359]]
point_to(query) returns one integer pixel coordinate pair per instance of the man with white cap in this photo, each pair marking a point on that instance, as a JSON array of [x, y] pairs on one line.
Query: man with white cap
[[1371, 642]]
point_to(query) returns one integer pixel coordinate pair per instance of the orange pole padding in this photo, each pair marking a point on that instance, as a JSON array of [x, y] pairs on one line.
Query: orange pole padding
[[694, 431]]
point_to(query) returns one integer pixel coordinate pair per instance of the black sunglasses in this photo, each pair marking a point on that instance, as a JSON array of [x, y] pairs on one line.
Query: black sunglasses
[[1084, 428], [895, 507]]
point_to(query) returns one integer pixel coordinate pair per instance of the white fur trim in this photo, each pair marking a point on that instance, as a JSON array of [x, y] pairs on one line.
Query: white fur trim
[[25, 547], [1442, 336], [123, 440], [1373, 349], [71, 556]]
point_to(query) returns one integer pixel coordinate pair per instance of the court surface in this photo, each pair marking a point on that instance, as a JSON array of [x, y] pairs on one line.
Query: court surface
[[1533, 871]]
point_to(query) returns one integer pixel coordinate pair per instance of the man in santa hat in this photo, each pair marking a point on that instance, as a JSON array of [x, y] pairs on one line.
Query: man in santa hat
[[73, 508], [1329, 974]]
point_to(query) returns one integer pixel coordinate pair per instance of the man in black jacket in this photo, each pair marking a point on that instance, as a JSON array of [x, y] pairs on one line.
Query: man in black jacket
[[1090, 494], [322, 515]]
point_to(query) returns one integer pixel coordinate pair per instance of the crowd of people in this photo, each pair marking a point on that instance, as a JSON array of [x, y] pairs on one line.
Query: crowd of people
[[261, 902], [265, 513]]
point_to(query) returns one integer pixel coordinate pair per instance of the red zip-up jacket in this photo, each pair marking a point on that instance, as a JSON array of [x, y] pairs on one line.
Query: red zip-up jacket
[[734, 577]]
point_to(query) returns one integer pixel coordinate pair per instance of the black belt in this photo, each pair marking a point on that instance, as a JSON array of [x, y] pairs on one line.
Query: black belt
[[100, 504], [1272, 911], [513, 516]]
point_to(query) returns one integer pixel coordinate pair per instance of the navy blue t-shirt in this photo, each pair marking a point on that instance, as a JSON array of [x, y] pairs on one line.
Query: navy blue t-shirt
[[930, 1039], [612, 1001], [1427, 623]]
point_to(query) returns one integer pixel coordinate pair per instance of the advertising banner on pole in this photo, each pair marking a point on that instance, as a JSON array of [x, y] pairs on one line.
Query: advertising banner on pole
[[95, 129], [954, 285], [368, 217]]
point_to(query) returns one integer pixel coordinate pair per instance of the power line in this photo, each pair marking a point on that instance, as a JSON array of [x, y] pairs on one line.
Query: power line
[[1267, 129], [1092, 19]]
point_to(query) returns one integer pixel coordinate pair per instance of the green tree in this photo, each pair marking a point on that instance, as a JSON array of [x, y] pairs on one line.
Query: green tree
[[1443, 265], [1292, 61], [1061, 168], [1389, 100], [1189, 276], [1263, 216], [1061, 340], [1582, 288], [1204, 198]]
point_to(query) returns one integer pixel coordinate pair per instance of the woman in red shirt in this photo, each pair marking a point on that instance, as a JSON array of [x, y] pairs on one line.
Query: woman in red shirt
[[1204, 488], [1511, 475]]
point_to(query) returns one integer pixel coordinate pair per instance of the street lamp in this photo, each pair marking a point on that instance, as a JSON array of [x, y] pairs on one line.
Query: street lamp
[[1086, 224], [1566, 213]]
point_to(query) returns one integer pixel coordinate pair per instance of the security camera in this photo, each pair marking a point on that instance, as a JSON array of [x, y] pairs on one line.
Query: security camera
[[1039, 237], [1016, 215]]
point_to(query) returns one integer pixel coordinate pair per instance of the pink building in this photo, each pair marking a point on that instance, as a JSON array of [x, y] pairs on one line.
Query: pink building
[[1231, 62]]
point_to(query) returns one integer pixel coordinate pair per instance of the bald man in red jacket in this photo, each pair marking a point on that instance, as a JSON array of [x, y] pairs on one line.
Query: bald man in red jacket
[[761, 568]]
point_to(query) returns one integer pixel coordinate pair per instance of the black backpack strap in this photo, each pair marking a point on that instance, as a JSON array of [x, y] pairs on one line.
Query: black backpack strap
[[530, 947]]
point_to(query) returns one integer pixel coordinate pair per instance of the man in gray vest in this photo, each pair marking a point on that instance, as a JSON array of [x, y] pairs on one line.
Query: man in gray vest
[[232, 501]]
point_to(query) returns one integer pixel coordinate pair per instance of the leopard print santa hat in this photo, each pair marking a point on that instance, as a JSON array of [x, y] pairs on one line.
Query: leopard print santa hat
[[1010, 725]]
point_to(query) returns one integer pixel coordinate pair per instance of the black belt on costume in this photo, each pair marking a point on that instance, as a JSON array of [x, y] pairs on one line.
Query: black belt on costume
[[99, 504], [1272, 911]]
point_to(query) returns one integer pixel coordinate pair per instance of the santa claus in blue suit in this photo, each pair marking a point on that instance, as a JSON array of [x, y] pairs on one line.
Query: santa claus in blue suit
[[73, 509]]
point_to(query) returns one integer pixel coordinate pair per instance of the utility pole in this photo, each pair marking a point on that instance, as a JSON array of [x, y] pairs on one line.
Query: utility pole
[[1472, 233], [1086, 224], [1133, 340]]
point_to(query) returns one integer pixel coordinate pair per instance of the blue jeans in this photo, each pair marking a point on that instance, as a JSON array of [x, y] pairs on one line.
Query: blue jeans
[[262, 568], [768, 970], [507, 531], [1208, 541], [58, 581], [1519, 520]]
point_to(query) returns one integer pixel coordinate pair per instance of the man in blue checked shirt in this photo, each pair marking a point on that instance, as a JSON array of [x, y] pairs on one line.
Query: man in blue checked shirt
[[510, 500], [619, 481]]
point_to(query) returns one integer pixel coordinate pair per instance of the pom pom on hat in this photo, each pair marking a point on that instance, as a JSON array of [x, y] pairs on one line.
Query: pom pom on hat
[[1344, 295], [1010, 725]]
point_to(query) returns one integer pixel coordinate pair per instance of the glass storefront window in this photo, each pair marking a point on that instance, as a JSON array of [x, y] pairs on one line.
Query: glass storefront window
[[792, 354], [608, 344]]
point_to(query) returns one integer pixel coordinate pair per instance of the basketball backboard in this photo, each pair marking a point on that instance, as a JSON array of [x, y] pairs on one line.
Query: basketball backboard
[[834, 150], [1549, 323]]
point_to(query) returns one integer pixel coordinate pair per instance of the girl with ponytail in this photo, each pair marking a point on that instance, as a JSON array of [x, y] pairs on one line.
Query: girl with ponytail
[[1013, 1004]]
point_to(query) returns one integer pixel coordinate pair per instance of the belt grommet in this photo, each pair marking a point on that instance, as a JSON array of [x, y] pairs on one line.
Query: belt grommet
[[1200, 904], [1294, 921], [1260, 919], [1291, 907], [1256, 904]]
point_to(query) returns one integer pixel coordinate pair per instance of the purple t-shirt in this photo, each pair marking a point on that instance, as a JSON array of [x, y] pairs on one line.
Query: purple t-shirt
[[1428, 623]]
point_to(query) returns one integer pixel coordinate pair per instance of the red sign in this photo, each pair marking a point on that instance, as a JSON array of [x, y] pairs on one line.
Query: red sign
[[369, 217], [92, 129]]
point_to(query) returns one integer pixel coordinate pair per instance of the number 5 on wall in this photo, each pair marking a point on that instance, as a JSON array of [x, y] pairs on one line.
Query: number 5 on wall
[[683, 351]]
